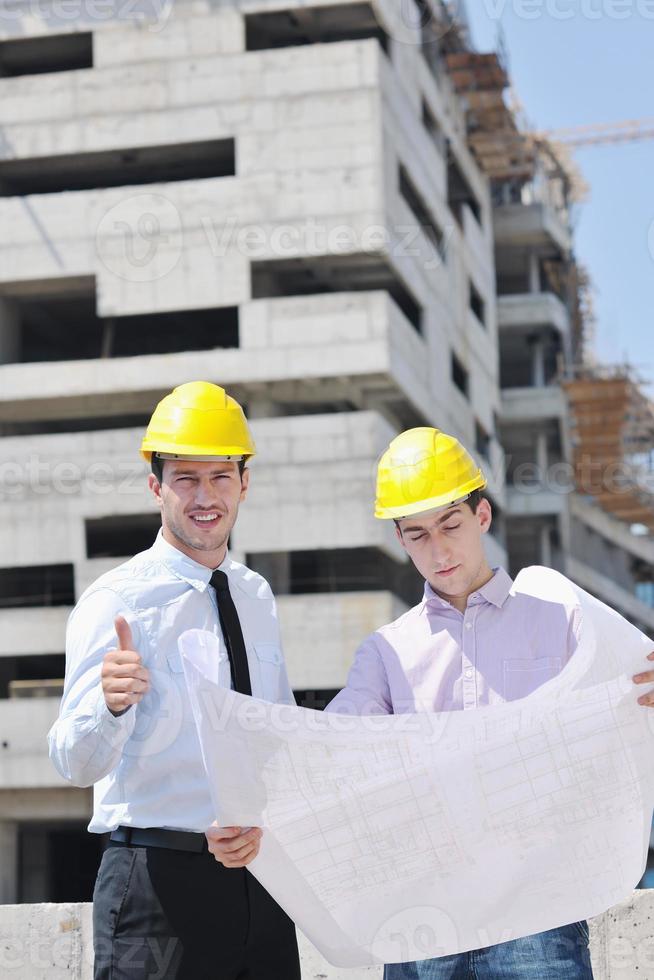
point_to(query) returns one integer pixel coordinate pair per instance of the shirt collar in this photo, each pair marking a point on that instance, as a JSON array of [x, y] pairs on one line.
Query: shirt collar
[[196, 575], [495, 591]]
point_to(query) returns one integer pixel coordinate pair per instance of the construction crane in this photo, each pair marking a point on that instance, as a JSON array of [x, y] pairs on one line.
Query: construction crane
[[596, 134]]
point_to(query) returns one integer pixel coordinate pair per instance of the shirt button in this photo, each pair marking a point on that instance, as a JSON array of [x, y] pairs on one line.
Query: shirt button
[[468, 626], [468, 673]]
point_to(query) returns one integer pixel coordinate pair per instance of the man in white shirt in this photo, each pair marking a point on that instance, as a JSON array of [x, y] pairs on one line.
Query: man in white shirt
[[172, 897]]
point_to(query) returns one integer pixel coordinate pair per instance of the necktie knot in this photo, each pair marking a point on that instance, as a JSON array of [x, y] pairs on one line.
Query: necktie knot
[[220, 582]]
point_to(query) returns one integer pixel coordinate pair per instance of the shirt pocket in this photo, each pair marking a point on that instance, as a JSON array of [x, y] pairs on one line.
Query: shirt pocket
[[522, 676], [269, 662]]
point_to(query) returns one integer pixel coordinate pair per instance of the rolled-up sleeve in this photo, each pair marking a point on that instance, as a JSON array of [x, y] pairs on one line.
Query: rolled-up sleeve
[[367, 690], [86, 741]]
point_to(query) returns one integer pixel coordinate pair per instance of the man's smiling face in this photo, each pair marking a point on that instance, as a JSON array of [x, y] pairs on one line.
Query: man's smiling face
[[199, 504]]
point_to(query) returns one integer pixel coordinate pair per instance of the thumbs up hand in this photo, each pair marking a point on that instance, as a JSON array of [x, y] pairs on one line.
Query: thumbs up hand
[[124, 678]]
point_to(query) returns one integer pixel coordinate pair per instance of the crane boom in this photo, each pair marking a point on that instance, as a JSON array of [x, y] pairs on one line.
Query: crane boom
[[596, 134]]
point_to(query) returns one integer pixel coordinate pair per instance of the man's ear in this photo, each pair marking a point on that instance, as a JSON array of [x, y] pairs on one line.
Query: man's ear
[[245, 483], [484, 515]]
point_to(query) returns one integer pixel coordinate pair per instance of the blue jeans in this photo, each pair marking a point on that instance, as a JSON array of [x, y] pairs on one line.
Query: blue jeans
[[558, 954]]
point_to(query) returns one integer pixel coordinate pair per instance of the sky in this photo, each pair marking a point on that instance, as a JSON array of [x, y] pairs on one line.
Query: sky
[[594, 67]]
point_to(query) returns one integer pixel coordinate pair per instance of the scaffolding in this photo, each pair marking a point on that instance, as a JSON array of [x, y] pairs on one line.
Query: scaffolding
[[612, 433], [611, 419], [508, 151], [495, 140]]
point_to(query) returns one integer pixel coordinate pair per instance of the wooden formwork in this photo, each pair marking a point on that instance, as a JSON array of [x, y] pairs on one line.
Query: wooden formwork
[[502, 151], [612, 432]]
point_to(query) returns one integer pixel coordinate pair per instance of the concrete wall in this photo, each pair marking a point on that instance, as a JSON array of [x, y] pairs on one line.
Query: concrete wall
[[443, 286], [601, 553], [312, 486], [615, 531], [300, 341], [54, 942], [609, 591], [322, 632], [271, 98], [536, 223], [532, 405], [533, 310], [320, 132]]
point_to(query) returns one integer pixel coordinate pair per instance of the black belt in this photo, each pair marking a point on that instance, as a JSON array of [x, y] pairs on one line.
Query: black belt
[[177, 840]]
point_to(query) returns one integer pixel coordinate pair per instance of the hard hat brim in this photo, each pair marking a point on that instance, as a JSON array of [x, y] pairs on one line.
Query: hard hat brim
[[172, 451], [432, 503]]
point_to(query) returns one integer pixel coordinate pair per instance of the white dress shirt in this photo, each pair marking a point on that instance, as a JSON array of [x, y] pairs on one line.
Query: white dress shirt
[[146, 764]]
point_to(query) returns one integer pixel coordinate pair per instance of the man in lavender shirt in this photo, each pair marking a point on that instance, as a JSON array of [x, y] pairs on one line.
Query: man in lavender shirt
[[469, 642]]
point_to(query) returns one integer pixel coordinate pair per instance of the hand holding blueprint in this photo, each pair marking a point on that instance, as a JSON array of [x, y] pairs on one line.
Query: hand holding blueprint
[[397, 838]]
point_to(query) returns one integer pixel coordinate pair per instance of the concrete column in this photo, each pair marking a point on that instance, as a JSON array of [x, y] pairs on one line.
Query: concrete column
[[9, 332], [538, 362], [534, 273], [506, 192], [8, 862], [542, 456], [564, 527], [567, 351], [545, 546]]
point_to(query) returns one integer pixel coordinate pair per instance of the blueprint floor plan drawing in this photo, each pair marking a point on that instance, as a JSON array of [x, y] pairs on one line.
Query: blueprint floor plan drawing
[[398, 837]]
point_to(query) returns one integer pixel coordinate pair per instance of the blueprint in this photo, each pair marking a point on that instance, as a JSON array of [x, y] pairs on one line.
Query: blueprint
[[396, 838]]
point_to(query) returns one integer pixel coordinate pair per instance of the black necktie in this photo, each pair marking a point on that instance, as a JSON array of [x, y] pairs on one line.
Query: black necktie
[[231, 627]]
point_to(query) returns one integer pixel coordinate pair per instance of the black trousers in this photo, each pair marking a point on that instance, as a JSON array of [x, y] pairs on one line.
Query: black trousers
[[162, 914]]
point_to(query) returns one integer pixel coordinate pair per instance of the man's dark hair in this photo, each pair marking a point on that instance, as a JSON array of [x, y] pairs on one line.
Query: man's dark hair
[[157, 465], [474, 500]]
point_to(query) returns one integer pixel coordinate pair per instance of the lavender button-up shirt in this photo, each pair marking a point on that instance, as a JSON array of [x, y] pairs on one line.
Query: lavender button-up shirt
[[435, 658]]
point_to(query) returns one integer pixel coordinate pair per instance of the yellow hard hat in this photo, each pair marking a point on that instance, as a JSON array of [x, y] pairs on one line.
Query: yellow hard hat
[[198, 421], [424, 469]]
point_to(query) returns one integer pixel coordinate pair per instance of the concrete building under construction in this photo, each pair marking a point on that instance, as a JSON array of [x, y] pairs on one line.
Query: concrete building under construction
[[327, 208]]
